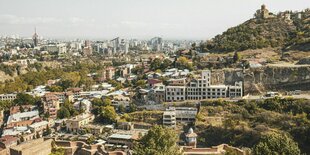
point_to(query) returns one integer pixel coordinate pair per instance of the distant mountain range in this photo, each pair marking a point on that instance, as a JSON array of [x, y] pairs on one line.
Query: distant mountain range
[[287, 30]]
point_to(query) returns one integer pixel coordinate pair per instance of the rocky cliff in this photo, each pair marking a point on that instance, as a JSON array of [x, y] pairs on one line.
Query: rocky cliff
[[272, 77]]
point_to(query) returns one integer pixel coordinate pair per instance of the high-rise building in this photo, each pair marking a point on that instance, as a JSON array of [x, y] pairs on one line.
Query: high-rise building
[[35, 38], [116, 44]]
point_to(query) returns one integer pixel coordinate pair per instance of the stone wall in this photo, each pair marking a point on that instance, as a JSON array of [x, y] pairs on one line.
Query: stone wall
[[34, 147]]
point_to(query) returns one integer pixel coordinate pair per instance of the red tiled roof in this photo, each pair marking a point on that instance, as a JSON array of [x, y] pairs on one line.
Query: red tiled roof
[[153, 81]]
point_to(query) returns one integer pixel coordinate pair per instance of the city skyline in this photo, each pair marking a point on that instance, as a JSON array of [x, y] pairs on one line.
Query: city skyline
[[182, 19]]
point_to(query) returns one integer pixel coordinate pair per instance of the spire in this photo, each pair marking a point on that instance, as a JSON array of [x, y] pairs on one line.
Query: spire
[[35, 37]]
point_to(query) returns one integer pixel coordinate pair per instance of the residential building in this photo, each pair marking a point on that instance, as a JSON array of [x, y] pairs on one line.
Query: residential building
[[7, 97], [200, 88], [76, 92], [83, 104], [74, 124], [22, 108], [175, 93], [123, 139], [169, 118], [157, 93], [8, 141], [51, 104], [22, 119], [107, 74], [172, 115], [39, 127]]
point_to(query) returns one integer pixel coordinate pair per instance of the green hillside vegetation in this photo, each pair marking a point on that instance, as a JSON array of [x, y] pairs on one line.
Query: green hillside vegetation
[[246, 123], [262, 33]]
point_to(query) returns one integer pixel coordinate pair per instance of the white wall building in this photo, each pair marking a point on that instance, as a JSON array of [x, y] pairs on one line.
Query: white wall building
[[200, 88], [7, 97]]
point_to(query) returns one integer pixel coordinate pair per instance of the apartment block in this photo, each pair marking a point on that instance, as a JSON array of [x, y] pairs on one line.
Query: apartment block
[[172, 115], [74, 124], [200, 88]]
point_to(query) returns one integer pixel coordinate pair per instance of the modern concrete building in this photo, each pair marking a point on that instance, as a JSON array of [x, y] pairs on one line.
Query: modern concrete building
[[200, 88], [169, 118], [172, 115]]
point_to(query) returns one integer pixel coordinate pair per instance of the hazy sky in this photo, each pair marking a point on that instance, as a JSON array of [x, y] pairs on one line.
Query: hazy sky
[[170, 19]]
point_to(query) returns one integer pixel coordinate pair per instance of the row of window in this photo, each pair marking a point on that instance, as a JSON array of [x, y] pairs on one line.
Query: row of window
[[204, 93], [177, 93]]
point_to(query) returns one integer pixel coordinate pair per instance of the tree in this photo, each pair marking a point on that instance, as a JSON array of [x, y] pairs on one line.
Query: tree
[[121, 108], [107, 102], [115, 84], [108, 114], [5, 104], [97, 102], [70, 108], [158, 141], [236, 57], [91, 139], [63, 112], [141, 83], [155, 64], [57, 150], [183, 63], [274, 144], [166, 63], [47, 131], [22, 99], [55, 89]]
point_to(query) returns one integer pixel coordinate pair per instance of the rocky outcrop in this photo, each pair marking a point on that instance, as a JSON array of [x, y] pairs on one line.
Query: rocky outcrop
[[284, 78]]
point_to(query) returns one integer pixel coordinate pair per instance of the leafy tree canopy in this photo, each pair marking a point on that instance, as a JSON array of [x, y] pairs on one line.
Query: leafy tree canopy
[[158, 141]]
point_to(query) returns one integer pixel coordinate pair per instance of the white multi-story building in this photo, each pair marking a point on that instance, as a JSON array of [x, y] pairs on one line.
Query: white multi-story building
[[74, 124], [236, 90], [7, 97], [169, 118], [62, 48], [175, 93], [176, 90], [172, 115], [200, 88]]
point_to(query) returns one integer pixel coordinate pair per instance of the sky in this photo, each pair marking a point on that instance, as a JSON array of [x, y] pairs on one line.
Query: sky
[[141, 19]]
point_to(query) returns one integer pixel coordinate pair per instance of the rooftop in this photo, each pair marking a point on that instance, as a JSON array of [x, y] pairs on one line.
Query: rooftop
[[20, 116], [39, 124], [120, 136]]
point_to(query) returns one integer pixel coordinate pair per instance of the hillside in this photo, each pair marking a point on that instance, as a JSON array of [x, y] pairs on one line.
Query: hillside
[[285, 30]]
